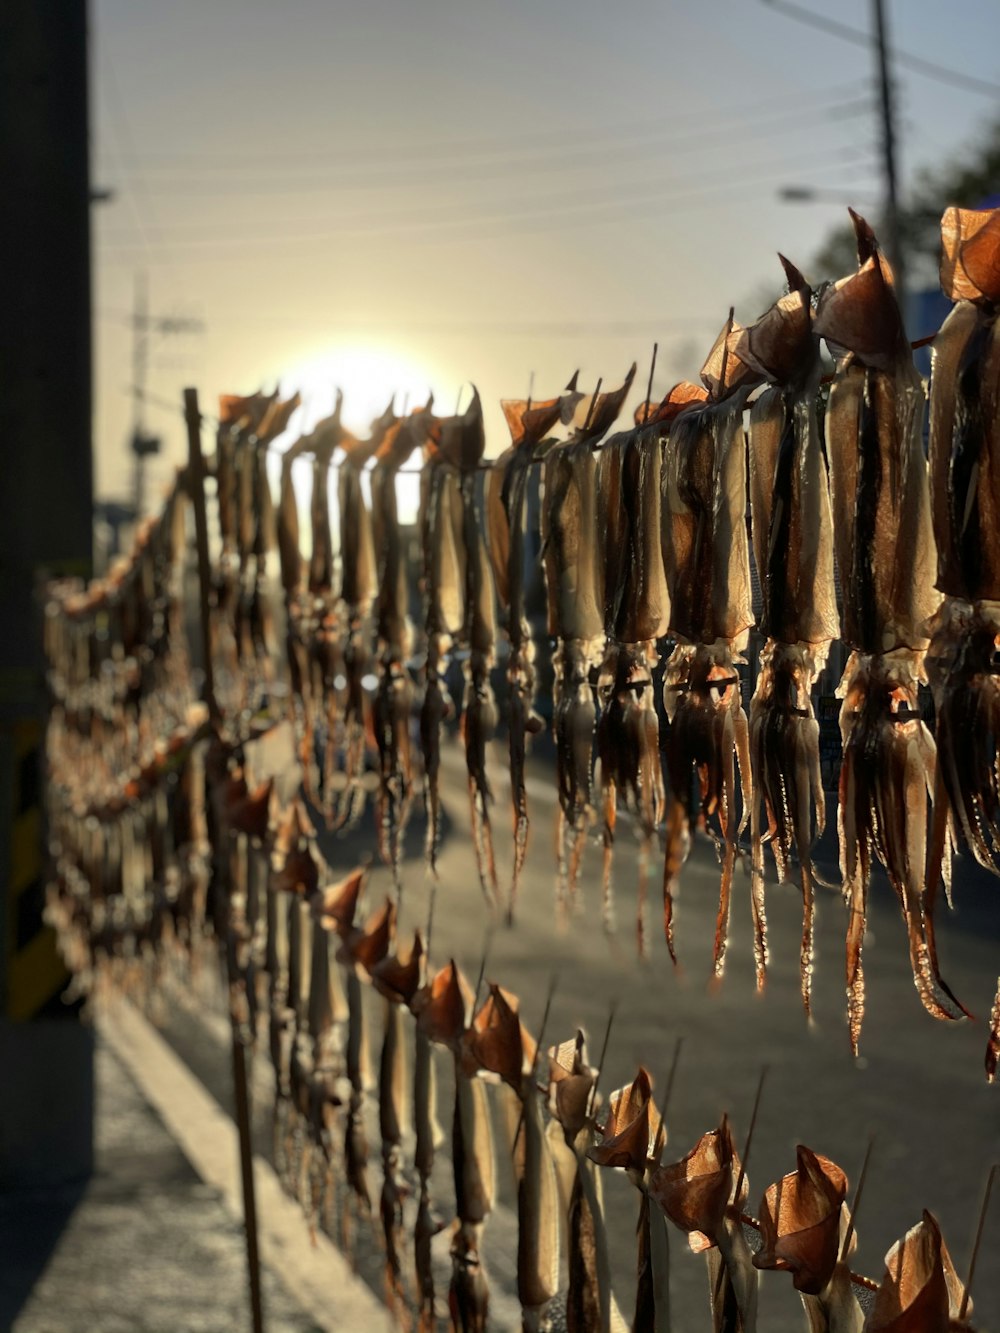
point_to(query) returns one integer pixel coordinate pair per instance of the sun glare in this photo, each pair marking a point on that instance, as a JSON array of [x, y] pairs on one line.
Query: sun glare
[[370, 376]]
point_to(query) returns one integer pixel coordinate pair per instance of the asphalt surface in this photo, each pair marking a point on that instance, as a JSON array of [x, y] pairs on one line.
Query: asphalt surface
[[143, 1247]]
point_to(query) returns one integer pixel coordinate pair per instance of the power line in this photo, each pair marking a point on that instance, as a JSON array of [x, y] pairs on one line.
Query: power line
[[638, 201], [930, 69], [380, 176], [432, 213], [126, 150], [476, 146]]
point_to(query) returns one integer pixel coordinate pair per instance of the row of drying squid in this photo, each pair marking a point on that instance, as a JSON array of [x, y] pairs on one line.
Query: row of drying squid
[[644, 541], [300, 947]]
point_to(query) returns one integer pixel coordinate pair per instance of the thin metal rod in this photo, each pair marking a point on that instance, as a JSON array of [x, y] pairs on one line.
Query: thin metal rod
[[741, 1177], [661, 1132], [538, 1049], [482, 966], [975, 1248], [604, 1051], [593, 404], [856, 1202], [649, 386], [749, 1139]]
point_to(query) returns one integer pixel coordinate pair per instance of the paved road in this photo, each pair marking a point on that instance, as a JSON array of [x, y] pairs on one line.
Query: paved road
[[144, 1247], [918, 1084]]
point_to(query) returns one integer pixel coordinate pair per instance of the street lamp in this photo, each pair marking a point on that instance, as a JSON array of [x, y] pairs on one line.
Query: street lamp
[[809, 194]]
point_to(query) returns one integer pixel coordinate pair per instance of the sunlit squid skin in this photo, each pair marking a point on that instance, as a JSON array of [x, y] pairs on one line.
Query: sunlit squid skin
[[704, 1194], [574, 581], [257, 537], [920, 1290], [707, 562], [885, 550], [394, 698], [805, 1225], [636, 614], [793, 548], [964, 656], [506, 497]]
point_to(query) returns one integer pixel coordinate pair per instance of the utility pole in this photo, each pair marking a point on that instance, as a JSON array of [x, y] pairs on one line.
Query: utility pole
[[46, 1054], [893, 244], [144, 326]]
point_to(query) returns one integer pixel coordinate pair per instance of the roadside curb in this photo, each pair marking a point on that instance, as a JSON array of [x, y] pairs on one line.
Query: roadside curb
[[316, 1274]]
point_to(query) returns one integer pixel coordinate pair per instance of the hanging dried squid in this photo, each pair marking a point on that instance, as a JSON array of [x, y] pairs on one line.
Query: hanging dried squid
[[358, 589], [920, 1291], [440, 1007], [498, 1044], [885, 550], [574, 580], [239, 418], [590, 1305], [636, 614], [964, 656], [443, 550], [443, 1011], [633, 1140], [706, 557], [397, 978], [804, 1224], [506, 514], [793, 548], [394, 698], [704, 1195], [257, 537], [461, 440]]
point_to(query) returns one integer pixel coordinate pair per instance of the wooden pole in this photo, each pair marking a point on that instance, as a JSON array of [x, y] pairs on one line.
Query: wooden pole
[[237, 1010], [196, 490]]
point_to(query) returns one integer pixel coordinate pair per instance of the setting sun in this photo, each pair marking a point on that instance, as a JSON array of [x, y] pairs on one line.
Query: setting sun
[[369, 375]]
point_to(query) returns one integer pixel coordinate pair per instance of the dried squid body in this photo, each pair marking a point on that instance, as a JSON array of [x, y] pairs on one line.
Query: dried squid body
[[506, 497], [628, 745], [793, 548], [708, 730], [443, 554], [964, 656], [637, 613], [885, 785], [784, 755], [707, 563], [463, 440], [885, 550], [359, 582], [394, 699], [574, 580]]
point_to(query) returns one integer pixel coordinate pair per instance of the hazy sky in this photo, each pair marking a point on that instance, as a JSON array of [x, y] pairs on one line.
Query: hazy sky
[[398, 194]]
